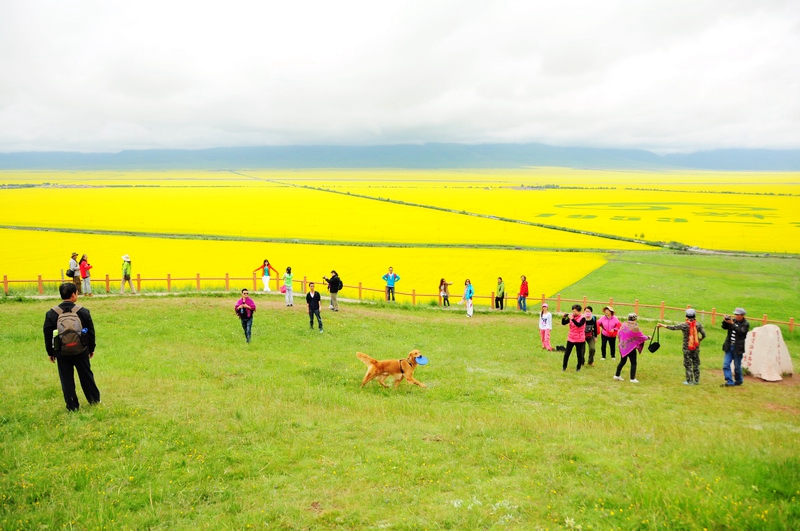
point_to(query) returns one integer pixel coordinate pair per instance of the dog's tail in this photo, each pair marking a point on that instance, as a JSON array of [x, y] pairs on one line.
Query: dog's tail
[[366, 359]]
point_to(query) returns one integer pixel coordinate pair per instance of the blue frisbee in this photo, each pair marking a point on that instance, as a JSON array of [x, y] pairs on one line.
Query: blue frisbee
[[422, 360]]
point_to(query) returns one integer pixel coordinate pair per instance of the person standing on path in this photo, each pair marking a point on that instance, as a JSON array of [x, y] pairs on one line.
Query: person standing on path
[[334, 286], [545, 327], [288, 285], [609, 328], [733, 347], [693, 334], [76, 272], [86, 277], [591, 333], [313, 300], [265, 269], [576, 338], [522, 300], [245, 308], [469, 293], [73, 356], [126, 274], [444, 292], [631, 343], [500, 296], [391, 279]]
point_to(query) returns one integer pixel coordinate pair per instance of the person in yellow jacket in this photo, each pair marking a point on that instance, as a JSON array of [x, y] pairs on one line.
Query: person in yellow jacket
[[126, 274]]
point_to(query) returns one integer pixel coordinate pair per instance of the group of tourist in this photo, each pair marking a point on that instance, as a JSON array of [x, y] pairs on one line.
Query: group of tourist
[[79, 270]]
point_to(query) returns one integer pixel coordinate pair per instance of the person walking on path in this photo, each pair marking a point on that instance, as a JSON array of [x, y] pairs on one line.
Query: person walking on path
[[444, 292], [391, 279], [576, 339], [313, 300], [733, 347], [126, 274], [86, 277], [288, 286], [469, 293], [631, 343], [265, 268], [76, 272], [245, 308], [609, 328], [500, 296], [591, 333], [334, 285], [522, 300], [545, 327], [73, 347], [693, 334]]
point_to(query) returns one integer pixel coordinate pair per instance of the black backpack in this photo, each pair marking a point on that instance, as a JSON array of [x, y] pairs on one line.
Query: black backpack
[[69, 341]]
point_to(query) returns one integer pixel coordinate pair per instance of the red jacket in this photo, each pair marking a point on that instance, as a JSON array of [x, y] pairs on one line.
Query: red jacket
[[523, 289], [85, 267]]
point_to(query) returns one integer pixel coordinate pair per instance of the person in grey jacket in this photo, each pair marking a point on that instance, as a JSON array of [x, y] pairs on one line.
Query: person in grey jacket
[[737, 327]]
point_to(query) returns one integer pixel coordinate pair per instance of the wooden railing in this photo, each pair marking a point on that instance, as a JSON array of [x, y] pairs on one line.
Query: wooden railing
[[255, 281]]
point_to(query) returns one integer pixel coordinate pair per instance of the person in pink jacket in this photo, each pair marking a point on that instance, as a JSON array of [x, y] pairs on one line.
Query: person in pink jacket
[[631, 343], [609, 328], [577, 336]]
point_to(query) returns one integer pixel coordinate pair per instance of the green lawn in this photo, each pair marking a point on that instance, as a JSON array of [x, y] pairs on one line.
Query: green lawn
[[199, 430]]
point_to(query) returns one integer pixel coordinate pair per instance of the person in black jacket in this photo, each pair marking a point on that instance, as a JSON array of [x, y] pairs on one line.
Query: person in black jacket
[[737, 328], [334, 285], [67, 364]]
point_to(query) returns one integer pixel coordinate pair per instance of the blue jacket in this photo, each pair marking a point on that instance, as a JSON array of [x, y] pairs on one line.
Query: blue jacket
[[469, 292], [390, 279]]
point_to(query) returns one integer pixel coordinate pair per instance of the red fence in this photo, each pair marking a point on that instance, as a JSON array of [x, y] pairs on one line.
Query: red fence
[[197, 280]]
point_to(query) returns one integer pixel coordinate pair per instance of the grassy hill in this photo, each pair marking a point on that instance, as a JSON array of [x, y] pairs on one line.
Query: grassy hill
[[198, 429]]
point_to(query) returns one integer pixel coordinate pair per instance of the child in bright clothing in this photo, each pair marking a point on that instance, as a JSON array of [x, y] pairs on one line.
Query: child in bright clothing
[[545, 327], [693, 334]]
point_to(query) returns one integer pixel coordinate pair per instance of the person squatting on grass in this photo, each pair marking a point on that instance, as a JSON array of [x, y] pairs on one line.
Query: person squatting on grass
[[76, 354], [576, 338], [591, 333], [733, 347], [469, 292], [391, 279], [126, 274], [245, 307], [313, 300], [545, 327], [265, 274], [631, 343], [609, 328], [693, 334], [288, 285], [500, 295], [522, 299], [444, 292]]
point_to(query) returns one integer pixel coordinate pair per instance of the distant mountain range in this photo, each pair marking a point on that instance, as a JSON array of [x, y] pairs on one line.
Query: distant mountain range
[[406, 156]]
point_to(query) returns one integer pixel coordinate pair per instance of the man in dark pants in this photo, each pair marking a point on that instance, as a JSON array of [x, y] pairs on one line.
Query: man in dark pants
[[68, 363], [245, 307], [313, 300], [733, 347]]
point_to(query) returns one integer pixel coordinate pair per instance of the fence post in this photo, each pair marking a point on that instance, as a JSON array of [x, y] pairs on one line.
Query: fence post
[[198, 281], [584, 302], [169, 282], [764, 321], [414, 297], [359, 291], [108, 284], [713, 316], [227, 282], [636, 307], [5, 284], [558, 303], [791, 324], [62, 275], [543, 298], [440, 299], [611, 301], [662, 311], [41, 287], [255, 286], [138, 282], [491, 301], [305, 279]]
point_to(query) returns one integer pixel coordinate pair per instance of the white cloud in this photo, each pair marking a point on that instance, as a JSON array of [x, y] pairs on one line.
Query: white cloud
[[662, 74]]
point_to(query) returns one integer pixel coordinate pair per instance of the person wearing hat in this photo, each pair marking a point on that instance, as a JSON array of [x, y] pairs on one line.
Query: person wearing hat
[[693, 334], [76, 275], [545, 327], [126, 274], [609, 327], [631, 343], [737, 327]]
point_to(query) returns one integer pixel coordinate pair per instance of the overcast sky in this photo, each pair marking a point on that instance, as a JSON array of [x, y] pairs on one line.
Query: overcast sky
[[666, 75]]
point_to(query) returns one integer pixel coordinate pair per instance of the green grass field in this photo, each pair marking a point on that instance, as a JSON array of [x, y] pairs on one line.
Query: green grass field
[[199, 430]]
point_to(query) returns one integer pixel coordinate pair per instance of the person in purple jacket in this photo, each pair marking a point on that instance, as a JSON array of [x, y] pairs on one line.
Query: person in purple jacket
[[631, 343], [245, 308]]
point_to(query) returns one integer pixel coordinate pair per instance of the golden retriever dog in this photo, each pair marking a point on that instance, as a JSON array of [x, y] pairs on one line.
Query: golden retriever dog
[[398, 369]]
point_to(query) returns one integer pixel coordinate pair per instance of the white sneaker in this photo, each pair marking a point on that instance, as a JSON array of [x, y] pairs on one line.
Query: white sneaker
[[620, 378], [686, 383], [634, 381]]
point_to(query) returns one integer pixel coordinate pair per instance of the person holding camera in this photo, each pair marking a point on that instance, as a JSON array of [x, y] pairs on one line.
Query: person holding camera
[[693, 334], [245, 307], [737, 327], [577, 336], [334, 285]]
